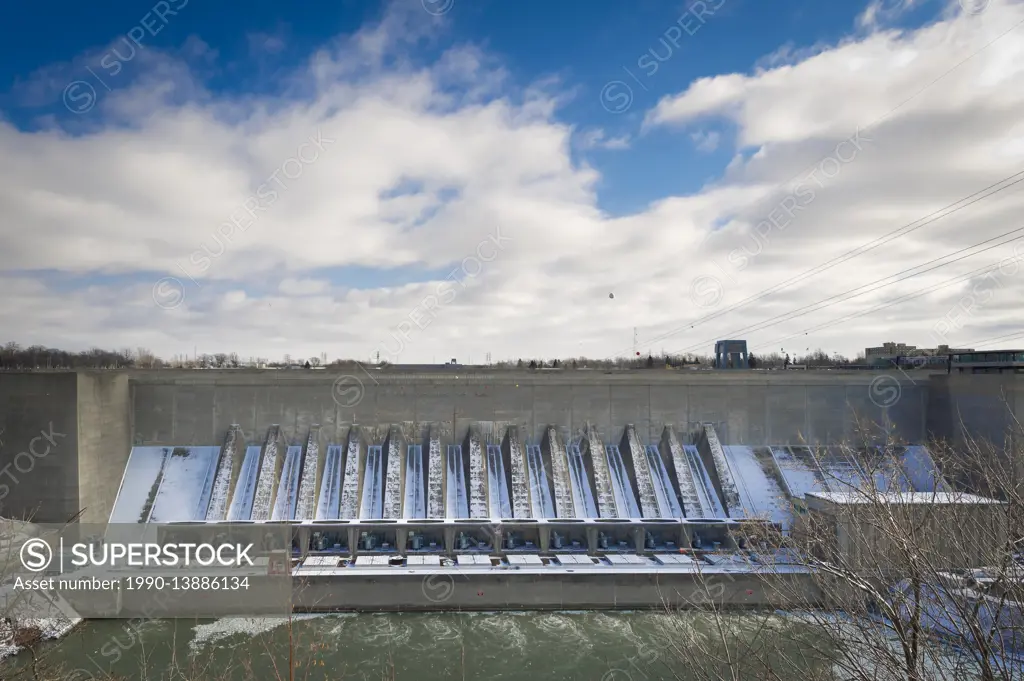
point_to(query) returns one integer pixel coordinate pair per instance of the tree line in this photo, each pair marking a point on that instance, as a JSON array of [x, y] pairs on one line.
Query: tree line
[[14, 356]]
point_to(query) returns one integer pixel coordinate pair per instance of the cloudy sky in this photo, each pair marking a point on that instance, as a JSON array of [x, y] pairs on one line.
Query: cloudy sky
[[445, 178]]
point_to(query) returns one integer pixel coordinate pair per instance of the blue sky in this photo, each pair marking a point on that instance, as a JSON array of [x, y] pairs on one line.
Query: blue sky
[[585, 45], [657, 139]]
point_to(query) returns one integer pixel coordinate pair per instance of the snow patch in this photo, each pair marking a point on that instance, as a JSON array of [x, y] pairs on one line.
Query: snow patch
[[307, 485], [350, 483], [393, 484], [265, 483], [477, 479], [602, 478], [687, 487], [435, 468], [520, 491], [564, 507], [648, 502]]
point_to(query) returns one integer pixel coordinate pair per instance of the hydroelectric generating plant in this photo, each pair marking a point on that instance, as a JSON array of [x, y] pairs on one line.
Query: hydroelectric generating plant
[[402, 491]]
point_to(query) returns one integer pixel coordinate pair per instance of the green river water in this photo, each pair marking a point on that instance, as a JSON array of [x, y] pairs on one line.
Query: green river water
[[598, 646]]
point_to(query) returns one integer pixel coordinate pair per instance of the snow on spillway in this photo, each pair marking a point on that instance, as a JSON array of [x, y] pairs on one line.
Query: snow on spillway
[[711, 506], [330, 487], [922, 471], [692, 506], [245, 488], [457, 505], [663, 492], [583, 495], [373, 484], [186, 484], [842, 473], [757, 488], [501, 505], [520, 490], [642, 470], [265, 482], [304, 509], [733, 504], [540, 492], [435, 507], [477, 479], [393, 486], [139, 485], [564, 506], [350, 482], [288, 488], [624, 500], [415, 506], [798, 470], [602, 478], [222, 482]]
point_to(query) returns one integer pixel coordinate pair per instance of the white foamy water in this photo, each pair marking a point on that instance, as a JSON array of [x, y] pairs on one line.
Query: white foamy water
[[216, 632]]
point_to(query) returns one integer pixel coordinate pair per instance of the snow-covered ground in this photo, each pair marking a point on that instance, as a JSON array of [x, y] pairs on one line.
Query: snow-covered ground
[[46, 612], [520, 490], [477, 479], [564, 507], [266, 481], [435, 483], [350, 482], [602, 478], [642, 470], [304, 509], [222, 483]]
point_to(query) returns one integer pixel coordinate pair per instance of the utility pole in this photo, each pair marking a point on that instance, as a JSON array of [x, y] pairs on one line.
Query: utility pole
[[634, 341]]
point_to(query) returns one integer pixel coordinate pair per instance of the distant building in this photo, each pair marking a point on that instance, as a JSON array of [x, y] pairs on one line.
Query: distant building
[[731, 354], [890, 351]]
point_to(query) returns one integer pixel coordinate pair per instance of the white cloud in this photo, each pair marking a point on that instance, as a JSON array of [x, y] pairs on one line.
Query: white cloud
[[705, 141], [596, 138], [426, 163]]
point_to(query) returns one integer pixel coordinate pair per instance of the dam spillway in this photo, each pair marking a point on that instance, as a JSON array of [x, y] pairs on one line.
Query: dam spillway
[[393, 480]]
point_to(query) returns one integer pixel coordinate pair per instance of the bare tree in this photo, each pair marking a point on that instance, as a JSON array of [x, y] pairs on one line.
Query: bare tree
[[894, 584]]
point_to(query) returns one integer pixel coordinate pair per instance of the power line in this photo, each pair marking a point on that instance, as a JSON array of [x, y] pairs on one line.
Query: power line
[[916, 294], [801, 311], [860, 250], [868, 127]]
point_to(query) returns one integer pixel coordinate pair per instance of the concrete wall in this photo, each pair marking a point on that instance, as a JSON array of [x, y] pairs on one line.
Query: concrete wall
[[104, 441], [984, 406], [39, 446], [172, 407], [100, 415]]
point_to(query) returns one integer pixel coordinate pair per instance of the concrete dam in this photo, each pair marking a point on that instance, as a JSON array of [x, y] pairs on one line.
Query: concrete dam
[[632, 481], [472, 444]]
